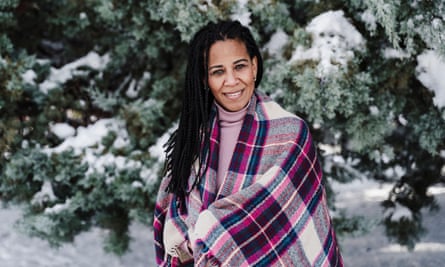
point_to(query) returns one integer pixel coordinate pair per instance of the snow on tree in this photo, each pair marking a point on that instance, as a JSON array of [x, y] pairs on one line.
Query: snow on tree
[[90, 90]]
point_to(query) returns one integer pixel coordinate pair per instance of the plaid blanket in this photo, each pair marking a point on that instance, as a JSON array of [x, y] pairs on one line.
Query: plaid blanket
[[270, 211]]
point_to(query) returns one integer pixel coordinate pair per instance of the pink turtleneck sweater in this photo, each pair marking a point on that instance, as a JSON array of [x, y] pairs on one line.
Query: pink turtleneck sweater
[[230, 124]]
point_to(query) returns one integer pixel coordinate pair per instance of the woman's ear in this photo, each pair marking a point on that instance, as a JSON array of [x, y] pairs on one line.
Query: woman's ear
[[255, 66]]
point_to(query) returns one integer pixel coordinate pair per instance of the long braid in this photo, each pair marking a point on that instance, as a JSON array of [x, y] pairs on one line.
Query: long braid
[[184, 146]]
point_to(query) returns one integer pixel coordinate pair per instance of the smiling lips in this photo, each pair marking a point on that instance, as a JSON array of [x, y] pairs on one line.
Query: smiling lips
[[234, 95]]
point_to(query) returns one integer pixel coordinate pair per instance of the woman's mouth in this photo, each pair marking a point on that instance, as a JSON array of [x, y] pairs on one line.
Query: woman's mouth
[[234, 95]]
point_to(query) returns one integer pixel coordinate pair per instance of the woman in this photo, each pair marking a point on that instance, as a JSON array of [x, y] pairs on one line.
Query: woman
[[243, 183]]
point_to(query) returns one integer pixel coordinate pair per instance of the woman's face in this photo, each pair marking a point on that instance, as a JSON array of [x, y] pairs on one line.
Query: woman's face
[[232, 74]]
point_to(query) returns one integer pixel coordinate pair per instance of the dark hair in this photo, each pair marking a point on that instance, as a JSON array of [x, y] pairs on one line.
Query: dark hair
[[184, 146]]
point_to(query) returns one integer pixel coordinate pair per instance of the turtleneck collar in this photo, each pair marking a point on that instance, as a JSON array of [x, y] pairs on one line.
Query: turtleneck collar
[[227, 118]]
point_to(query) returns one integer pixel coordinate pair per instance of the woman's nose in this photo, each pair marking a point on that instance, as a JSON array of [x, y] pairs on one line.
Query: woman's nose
[[231, 79]]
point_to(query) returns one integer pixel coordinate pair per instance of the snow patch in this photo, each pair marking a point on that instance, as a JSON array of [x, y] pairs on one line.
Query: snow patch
[[436, 190], [395, 173], [121, 142], [374, 110], [136, 85], [87, 141], [60, 76], [395, 53], [334, 41], [402, 120], [157, 150], [242, 14], [29, 77], [58, 207], [62, 130], [87, 136], [399, 212], [359, 191], [46, 194], [329, 149], [149, 176], [98, 163], [430, 70], [370, 20], [420, 247], [277, 41]]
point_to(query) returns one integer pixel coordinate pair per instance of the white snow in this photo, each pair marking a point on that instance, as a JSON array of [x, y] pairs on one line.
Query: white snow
[[121, 142], [277, 42], [157, 150], [57, 208], [395, 172], [46, 194], [436, 190], [402, 120], [98, 163], [374, 110], [420, 247], [20, 250], [370, 20], [59, 76], [399, 212], [389, 52], [328, 149], [87, 140], [135, 86], [132, 90], [363, 190], [87, 136], [62, 130], [430, 70], [29, 76], [334, 41], [242, 14]]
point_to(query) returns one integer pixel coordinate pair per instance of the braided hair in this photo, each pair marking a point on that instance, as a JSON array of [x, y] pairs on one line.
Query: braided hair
[[193, 133]]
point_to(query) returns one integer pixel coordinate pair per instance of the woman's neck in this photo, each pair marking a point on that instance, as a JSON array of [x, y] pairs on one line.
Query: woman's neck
[[227, 118]]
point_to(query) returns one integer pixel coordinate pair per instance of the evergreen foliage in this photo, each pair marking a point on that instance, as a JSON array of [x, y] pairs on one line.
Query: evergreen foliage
[[118, 66]]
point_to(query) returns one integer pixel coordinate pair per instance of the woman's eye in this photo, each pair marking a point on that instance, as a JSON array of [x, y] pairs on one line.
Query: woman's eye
[[217, 72], [240, 66]]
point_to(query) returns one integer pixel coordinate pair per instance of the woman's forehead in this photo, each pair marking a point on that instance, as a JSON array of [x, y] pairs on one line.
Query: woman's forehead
[[227, 50]]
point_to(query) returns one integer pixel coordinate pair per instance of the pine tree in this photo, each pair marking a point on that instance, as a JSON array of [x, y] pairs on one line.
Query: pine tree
[[114, 70]]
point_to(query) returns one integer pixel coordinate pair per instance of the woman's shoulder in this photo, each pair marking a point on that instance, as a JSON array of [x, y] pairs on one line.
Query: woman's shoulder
[[268, 109], [282, 126]]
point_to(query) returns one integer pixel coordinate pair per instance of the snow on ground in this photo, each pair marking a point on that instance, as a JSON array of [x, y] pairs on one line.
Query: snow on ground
[[374, 249], [359, 198], [19, 250]]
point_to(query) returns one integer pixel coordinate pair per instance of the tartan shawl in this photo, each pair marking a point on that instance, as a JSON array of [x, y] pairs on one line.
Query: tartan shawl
[[271, 209]]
